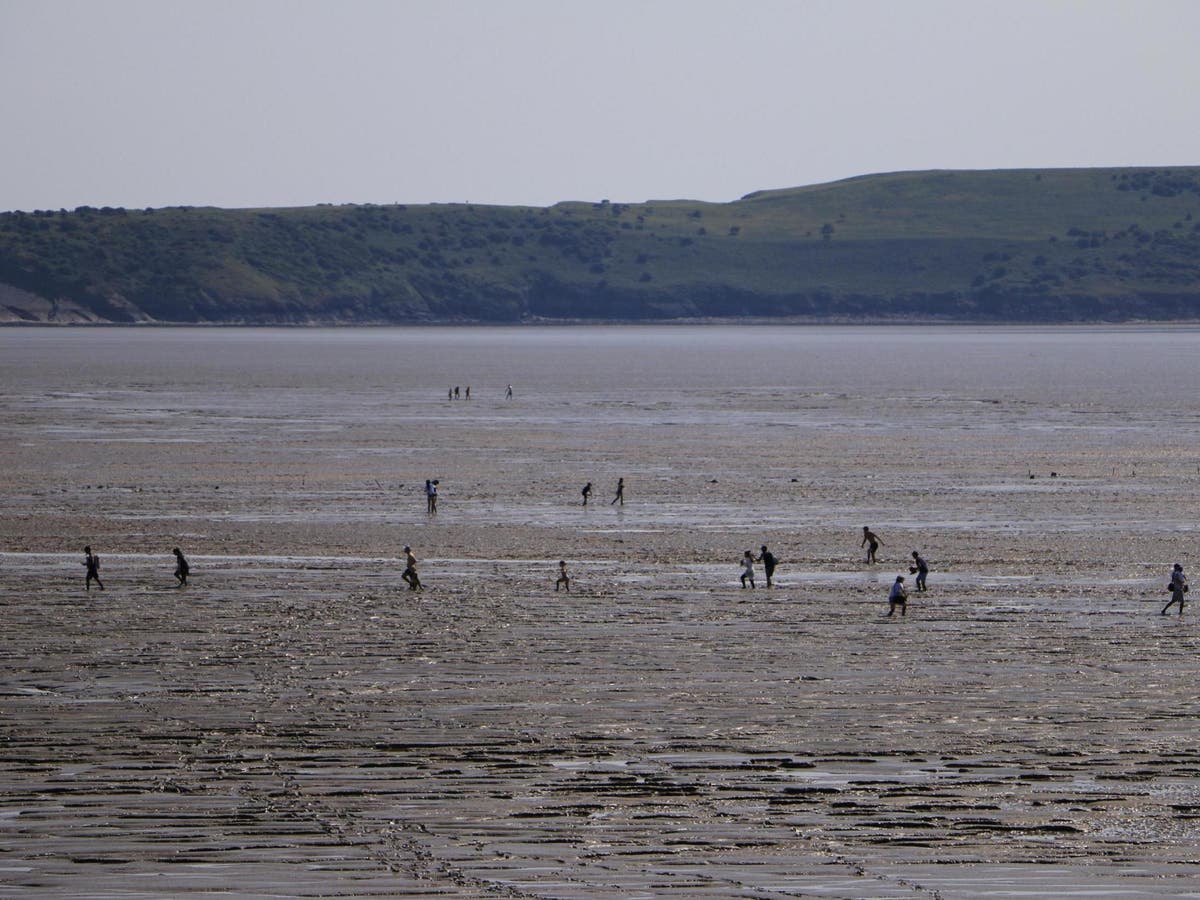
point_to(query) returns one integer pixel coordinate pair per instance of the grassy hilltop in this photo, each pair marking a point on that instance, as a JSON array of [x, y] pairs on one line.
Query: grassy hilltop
[[1053, 245]]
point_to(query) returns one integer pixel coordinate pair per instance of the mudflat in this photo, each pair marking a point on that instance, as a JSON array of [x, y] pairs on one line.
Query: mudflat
[[295, 722]]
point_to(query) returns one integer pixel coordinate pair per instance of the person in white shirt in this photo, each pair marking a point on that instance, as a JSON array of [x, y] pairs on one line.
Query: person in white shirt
[[748, 568]]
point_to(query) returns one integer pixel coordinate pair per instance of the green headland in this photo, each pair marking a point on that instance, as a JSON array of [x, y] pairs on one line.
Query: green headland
[[1055, 245]]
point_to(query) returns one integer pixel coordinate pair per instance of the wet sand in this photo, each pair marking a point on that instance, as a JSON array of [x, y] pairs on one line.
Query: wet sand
[[295, 723]]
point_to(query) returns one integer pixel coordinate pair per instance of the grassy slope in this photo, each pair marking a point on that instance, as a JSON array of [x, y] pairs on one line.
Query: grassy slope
[[1055, 244]]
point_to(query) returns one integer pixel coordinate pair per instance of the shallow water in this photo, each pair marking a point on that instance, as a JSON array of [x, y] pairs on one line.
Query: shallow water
[[623, 372], [678, 410]]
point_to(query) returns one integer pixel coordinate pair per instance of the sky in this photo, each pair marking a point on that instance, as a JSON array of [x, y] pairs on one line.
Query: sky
[[257, 103]]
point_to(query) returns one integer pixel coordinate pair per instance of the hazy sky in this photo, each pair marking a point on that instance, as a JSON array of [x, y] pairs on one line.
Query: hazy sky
[[292, 102]]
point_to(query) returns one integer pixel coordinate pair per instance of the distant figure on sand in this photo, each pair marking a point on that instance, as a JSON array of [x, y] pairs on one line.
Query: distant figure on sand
[[92, 563], [563, 578], [747, 568], [410, 570], [587, 492], [181, 567], [1178, 587], [468, 396], [898, 597], [508, 393], [450, 394], [620, 492], [767, 558], [920, 568], [872, 542], [456, 392], [431, 489]]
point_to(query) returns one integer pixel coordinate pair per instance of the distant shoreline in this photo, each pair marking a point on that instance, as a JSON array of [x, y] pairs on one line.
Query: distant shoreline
[[833, 322]]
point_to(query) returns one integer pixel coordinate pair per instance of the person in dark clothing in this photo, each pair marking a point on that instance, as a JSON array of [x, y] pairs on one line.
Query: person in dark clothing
[[181, 567], [898, 597], [1178, 587], [587, 492], [620, 492], [410, 570], [767, 558], [920, 568], [92, 564]]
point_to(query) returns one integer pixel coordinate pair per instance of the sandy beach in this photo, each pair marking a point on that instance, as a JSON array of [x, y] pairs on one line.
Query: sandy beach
[[296, 723]]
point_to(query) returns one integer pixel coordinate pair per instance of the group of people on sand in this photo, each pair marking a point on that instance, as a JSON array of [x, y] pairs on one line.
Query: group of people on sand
[[431, 494], [768, 560], [897, 593], [618, 497], [456, 393], [91, 565]]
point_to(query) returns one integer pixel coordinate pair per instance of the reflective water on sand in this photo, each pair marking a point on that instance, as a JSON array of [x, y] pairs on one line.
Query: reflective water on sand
[[296, 721], [1080, 371]]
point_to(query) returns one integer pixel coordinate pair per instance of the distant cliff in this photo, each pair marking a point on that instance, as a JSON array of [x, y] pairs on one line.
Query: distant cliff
[[1060, 245]]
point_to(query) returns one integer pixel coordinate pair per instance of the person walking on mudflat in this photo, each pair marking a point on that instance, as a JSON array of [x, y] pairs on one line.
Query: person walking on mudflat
[[181, 567], [586, 492], [92, 563], [767, 558], [898, 597], [620, 492], [563, 578], [1178, 587], [872, 542], [920, 568], [410, 570], [747, 568]]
